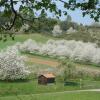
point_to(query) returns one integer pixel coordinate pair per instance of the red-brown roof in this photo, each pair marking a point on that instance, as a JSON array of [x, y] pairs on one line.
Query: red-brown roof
[[49, 75]]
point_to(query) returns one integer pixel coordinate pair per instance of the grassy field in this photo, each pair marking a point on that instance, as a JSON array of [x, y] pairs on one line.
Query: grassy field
[[57, 96], [10, 88], [21, 38], [24, 89], [42, 38], [31, 87]]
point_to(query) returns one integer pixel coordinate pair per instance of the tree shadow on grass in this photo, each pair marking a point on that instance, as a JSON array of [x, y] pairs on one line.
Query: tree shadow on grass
[[15, 81], [71, 83]]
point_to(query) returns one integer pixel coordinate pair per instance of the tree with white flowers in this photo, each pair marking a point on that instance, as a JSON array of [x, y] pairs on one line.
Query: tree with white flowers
[[57, 30], [71, 30], [12, 65], [29, 46], [75, 50], [24, 28]]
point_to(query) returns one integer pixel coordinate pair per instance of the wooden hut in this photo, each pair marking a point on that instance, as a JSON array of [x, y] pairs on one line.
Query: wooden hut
[[46, 78]]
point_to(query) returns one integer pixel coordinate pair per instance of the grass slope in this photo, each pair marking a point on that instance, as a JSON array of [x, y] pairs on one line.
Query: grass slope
[[31, 87], [23, 37], [24, 89], [57, 96]]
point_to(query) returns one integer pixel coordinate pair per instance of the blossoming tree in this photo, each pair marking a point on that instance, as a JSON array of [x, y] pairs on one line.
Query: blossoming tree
[[57, 30], [12, 66]]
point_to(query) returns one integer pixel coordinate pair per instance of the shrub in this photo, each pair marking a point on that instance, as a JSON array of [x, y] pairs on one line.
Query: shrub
[[68, 70], [85, 72]]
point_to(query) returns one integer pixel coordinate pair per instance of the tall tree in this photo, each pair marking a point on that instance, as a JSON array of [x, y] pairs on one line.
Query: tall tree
[[69, 19]]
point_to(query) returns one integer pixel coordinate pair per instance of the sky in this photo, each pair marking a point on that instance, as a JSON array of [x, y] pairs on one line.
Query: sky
[[76, 16]]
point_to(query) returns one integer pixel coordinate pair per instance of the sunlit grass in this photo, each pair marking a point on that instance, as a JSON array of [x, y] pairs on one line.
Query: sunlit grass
[[22, 37], [57, 96]]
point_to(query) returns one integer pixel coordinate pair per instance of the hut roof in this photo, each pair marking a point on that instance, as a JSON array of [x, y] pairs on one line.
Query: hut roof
[[49, 75]]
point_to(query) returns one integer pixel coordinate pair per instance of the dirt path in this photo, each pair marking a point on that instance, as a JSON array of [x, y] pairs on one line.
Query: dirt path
[[53, 63], [43, 61], [73, 91]]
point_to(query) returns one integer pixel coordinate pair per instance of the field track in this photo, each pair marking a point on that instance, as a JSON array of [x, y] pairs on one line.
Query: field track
[[53, 63], [43, 61]]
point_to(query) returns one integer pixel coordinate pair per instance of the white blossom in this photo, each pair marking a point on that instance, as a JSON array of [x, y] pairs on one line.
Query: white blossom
[[76, 50], [71, 30], [57, 30], [24, 27], [29, 45], [12, 65]]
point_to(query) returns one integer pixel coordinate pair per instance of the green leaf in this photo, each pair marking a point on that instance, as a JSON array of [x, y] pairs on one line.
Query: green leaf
[[65, 5]]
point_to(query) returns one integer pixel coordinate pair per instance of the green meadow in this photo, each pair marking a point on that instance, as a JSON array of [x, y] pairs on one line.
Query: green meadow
[[30, 90]]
